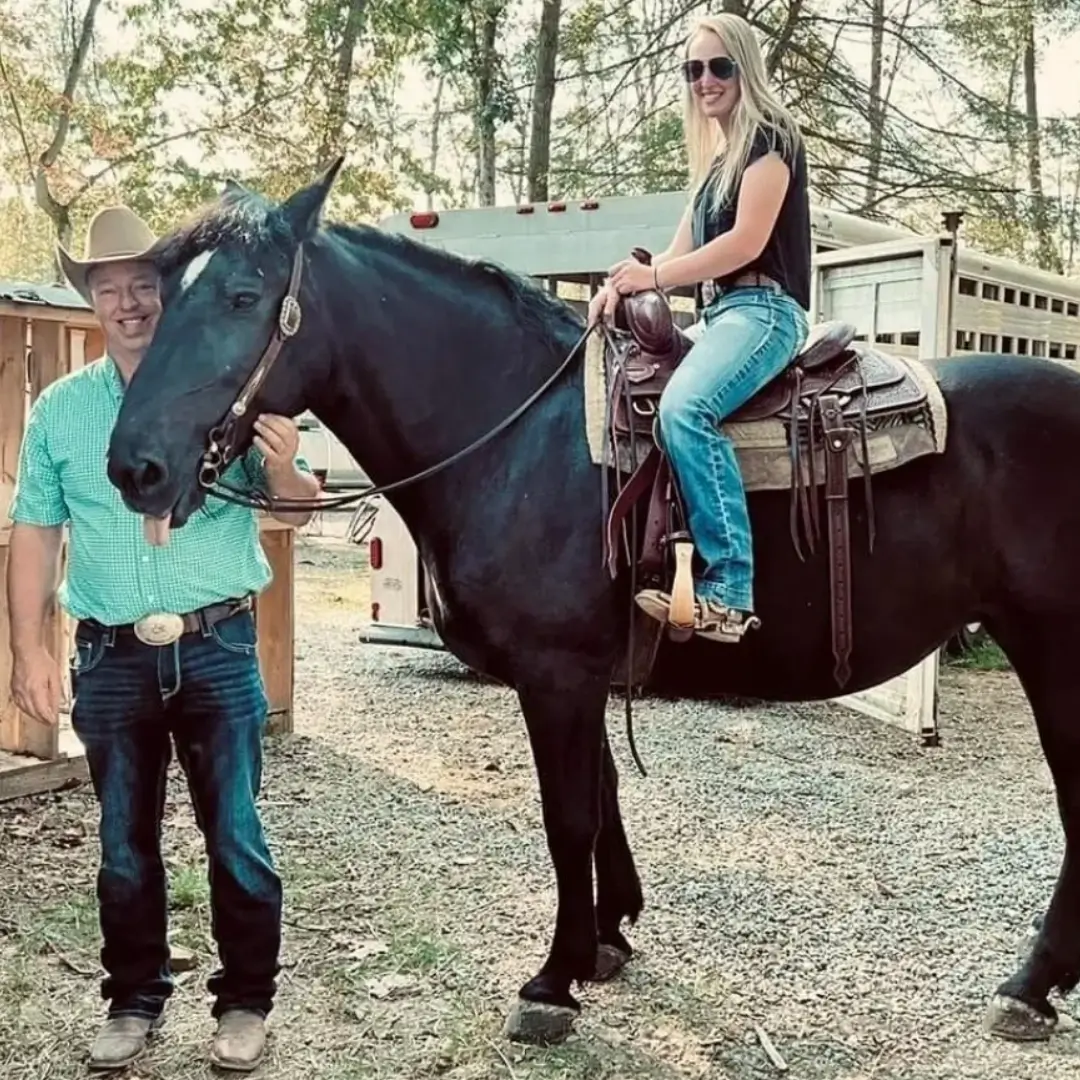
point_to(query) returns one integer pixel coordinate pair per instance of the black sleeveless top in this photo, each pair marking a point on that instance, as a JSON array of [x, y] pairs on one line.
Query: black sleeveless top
[[786, 257]]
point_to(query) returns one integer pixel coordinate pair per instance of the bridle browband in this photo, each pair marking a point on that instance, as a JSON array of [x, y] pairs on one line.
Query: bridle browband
[[221, 448]]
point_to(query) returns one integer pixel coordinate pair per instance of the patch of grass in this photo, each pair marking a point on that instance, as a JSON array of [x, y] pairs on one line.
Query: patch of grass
[[357, 1069], [17, 982], [189, 888], [416, 952], [983, 654], [584, 1059], [307, 875], [70, 926], [410, 952]]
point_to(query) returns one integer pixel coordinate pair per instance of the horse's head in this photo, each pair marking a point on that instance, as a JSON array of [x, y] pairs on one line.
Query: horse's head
[[231, 287]]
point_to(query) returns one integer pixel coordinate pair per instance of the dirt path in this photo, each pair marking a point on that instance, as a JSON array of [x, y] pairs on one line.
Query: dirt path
[[806, 869]]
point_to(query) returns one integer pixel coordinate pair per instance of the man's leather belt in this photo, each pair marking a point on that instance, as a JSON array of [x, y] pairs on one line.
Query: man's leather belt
[[163, 628]]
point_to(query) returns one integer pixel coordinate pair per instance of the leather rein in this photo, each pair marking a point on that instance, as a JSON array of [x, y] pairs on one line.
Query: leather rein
[[221, 448]]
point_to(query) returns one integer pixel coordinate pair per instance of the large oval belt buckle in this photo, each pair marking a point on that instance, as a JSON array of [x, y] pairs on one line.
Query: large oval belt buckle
[[160, 628]]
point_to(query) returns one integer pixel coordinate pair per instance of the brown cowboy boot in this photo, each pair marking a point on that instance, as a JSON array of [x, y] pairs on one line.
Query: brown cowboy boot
[[715, 621], [240, 1040], [120, 1040]]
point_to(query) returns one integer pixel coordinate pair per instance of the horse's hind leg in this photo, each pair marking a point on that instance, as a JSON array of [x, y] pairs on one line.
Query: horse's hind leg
[[618, 887], [564, 713], [1044, 655]]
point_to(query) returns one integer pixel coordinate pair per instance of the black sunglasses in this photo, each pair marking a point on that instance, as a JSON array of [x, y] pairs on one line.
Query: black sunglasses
[[722, 67]]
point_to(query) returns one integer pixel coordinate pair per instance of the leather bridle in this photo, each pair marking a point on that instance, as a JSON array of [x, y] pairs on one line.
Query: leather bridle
[[222, 438]]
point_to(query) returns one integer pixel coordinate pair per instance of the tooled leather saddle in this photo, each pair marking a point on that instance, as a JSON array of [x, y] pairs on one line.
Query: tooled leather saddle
[[826, 399]]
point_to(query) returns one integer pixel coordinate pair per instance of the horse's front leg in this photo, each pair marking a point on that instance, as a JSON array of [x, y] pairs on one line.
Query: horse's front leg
[[564, 713]]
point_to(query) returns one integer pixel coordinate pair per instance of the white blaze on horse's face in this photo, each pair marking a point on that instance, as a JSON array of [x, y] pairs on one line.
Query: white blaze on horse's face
[[194, 269]]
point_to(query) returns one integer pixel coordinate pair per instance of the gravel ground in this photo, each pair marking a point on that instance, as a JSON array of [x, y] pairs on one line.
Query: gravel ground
[[806, 869]]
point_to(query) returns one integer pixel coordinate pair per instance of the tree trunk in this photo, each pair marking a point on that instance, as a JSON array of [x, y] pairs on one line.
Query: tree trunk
[[1047, 256], [485, 105], [433, 146], [1070, 232], [782, 41], [60, 213], [877, 102], [1069, 225], [1012, 128], [337, 103], [547, 52]]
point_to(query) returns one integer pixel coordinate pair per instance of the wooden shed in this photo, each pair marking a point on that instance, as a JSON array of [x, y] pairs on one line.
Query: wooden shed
[[45, 333]]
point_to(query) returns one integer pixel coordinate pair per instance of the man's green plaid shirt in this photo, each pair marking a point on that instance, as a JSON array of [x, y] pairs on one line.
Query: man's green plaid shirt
[[113, 575]]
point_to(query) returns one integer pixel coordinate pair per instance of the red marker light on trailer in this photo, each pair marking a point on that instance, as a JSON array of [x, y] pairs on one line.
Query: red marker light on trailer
[[427, 219], [375, 553], [590, 204], [556, 207], [526, 208], [375, 611]]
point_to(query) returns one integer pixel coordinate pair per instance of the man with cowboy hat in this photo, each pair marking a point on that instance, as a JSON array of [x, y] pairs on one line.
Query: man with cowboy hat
[[132, 688]]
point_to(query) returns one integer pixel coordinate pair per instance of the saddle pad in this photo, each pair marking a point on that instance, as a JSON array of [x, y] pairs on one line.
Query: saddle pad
[[761, 445]]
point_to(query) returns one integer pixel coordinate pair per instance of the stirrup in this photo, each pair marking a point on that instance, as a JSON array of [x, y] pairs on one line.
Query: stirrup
[[682, 613]]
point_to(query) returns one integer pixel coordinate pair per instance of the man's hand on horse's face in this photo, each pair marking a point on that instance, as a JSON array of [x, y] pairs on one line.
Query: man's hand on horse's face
[[278, 438]]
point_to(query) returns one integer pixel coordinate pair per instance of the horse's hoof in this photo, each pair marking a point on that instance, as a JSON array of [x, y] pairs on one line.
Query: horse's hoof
[[609, 962], [539, 1024], [1008, 1018]]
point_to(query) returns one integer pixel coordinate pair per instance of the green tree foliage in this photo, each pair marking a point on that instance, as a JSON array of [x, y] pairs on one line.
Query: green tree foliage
[[910, 107], [1031, 213]]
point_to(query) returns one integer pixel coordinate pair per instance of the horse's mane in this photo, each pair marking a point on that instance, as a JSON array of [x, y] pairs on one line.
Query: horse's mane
[[539, 312], [245, 218], [239, 217]]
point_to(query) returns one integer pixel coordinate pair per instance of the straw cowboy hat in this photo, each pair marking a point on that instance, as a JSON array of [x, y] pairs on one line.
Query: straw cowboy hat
[[115, 234]]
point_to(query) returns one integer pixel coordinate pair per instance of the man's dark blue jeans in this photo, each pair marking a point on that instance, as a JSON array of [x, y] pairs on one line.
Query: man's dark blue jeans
[[206, 691]]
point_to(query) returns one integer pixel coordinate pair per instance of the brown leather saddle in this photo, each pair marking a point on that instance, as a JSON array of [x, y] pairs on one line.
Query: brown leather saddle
[[834, 390]]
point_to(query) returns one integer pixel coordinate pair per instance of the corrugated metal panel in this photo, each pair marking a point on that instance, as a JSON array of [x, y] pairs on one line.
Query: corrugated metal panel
[[30, 292]]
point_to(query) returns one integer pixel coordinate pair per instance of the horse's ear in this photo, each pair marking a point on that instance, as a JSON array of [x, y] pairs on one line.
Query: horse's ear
[[303, 207], [232, 187]]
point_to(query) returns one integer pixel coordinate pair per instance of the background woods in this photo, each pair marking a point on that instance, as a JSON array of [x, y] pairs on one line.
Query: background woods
[[911, 107]]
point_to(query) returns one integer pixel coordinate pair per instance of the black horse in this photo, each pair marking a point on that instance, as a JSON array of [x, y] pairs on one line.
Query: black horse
[[410, 354]]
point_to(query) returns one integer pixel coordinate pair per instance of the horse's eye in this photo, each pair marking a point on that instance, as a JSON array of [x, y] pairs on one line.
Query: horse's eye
[[241, 301]]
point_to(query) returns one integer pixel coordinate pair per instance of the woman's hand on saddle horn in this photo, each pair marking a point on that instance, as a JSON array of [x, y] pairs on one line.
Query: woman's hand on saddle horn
[[631, 276]]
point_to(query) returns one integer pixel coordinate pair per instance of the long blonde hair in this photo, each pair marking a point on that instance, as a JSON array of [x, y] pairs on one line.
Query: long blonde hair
[[757, 105]]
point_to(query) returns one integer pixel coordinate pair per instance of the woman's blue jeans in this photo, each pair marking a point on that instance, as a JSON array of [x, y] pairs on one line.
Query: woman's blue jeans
[[750, 336]]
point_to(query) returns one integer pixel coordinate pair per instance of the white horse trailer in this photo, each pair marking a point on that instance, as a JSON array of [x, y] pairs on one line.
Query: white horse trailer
[[893, 285]]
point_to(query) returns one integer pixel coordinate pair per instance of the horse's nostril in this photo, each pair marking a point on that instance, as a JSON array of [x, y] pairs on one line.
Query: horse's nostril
[[147, 476]]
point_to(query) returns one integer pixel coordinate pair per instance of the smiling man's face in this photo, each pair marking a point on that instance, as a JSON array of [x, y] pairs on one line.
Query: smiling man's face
[[127, 301]]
